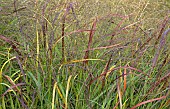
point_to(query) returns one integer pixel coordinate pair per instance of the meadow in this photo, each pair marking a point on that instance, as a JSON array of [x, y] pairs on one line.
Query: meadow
[[84, 54]]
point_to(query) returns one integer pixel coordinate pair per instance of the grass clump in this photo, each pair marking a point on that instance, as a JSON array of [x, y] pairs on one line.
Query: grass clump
[[84, 54]]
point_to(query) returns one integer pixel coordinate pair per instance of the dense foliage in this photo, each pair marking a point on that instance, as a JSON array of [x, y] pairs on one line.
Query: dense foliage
[[84, 54]]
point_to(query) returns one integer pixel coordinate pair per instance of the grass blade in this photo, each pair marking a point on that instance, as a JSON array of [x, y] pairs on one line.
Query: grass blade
[[148, 101], [67, 90], [53, 97], [90, 40]]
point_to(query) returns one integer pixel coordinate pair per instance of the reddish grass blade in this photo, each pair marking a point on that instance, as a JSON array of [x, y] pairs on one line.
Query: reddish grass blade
[[74, 14], [116, 106], [90, 40], [163, 25], [13, 87], [12, 82], [106, 47], [63, 31], [148, 101], [106, 70], [150, 38], [78, 31], [118, 27], [117, 68], [114, 15], [164, 62], [12, 43], [63, 45], [44, 24], [162, 43], [20, 9], [159, 81], [162, 40], [21, 68], [70, 33], [154, 85]]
